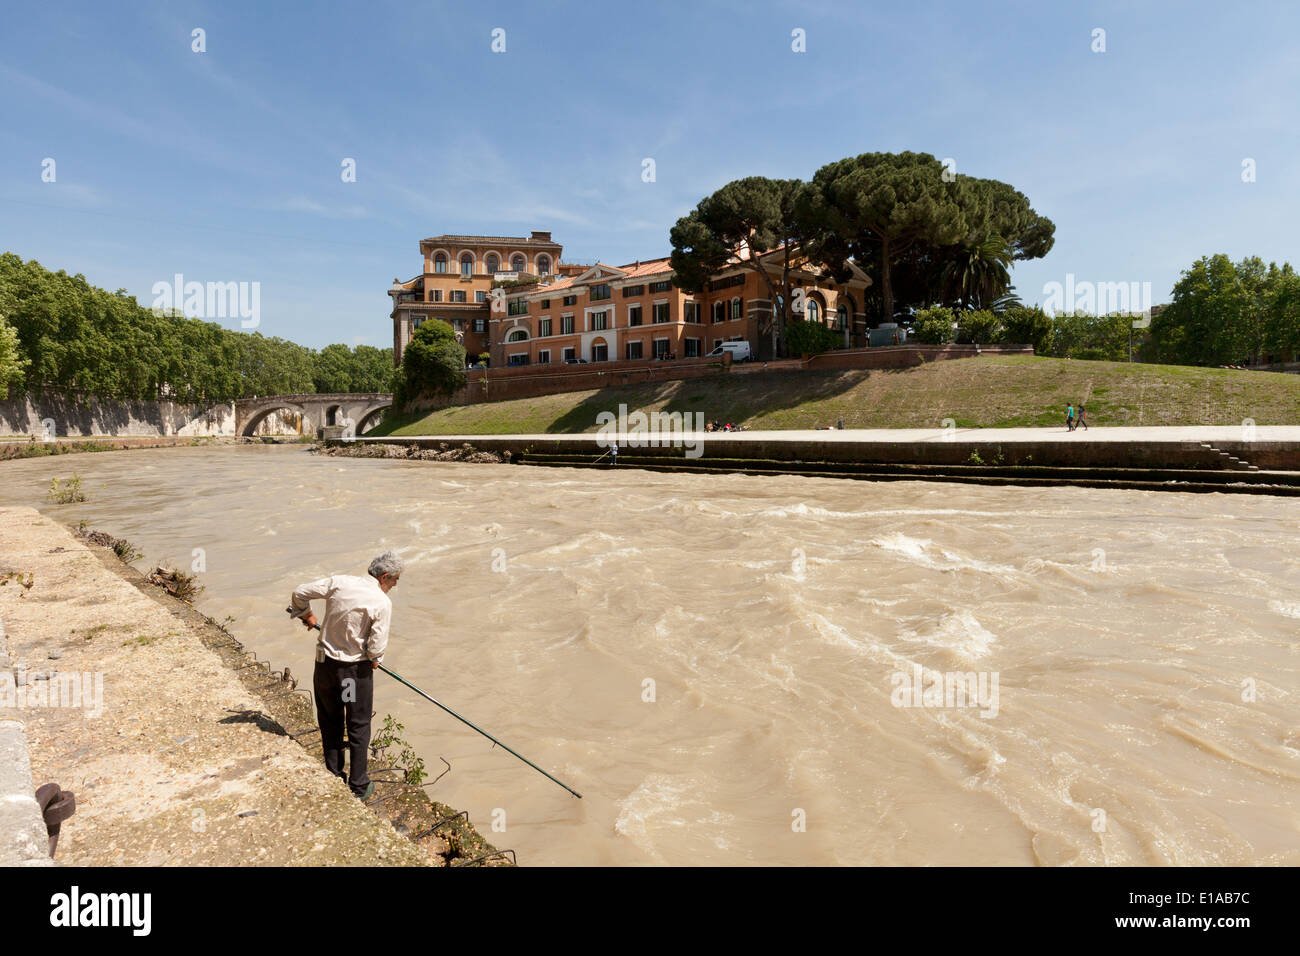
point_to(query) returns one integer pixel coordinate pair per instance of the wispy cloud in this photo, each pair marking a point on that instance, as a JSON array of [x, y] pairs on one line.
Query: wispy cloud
[[311, 207]]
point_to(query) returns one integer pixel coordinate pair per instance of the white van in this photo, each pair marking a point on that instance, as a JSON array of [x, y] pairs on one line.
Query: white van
[[739, 351]]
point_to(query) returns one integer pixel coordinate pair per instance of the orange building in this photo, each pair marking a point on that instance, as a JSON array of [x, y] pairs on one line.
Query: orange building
[[541, 311]]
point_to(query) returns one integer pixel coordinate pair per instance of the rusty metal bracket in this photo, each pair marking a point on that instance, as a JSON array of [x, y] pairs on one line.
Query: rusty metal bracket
[[56, 806], [489, 856], [425, 833]]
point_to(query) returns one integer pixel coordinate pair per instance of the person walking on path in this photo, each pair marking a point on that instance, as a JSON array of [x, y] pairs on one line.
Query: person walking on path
[[351, 645], [1069, 417], [1083, 418]]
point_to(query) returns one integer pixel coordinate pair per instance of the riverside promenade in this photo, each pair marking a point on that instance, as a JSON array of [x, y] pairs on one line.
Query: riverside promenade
[[1208, 447]]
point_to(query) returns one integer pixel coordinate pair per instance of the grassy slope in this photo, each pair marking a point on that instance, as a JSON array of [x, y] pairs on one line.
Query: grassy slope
[[979, 392]]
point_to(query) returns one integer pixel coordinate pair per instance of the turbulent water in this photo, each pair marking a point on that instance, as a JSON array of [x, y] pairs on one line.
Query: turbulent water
[[718, 663]]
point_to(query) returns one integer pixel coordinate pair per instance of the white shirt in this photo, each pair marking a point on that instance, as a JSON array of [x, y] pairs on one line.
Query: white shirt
[[354, 626]]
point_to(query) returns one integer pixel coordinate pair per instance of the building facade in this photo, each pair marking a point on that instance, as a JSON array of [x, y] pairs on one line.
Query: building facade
[[541, 311]]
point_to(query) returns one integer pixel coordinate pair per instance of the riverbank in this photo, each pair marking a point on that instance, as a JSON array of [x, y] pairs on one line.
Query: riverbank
[[15, 448], [986, 391], [190, 751], [1260, 460]]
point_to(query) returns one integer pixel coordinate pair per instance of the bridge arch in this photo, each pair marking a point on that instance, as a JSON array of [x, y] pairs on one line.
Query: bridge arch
[[371, 417], [260, 413]]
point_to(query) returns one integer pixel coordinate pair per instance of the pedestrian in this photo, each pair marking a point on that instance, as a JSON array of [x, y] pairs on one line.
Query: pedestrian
[[1069, 417], [1082, 419], [613, 452], [351, 645]]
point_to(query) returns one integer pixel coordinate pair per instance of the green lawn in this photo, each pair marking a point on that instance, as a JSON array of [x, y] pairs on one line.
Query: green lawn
[[989, 392]]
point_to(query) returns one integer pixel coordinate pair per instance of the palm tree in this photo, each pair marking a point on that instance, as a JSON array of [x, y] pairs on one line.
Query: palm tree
[[977, 272]]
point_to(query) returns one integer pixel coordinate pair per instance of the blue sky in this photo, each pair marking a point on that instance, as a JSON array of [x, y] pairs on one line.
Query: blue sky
[[225, 165]]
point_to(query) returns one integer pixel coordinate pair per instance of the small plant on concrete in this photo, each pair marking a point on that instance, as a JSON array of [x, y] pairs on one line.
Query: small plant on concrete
[[975, 459], [24, 578], [409, 763], [66, 491]]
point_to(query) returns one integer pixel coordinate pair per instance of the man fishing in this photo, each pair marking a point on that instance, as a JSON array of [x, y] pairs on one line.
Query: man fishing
[[353, 637]]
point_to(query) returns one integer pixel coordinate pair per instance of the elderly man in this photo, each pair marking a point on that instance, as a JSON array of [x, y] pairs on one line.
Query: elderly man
[[353, 636]]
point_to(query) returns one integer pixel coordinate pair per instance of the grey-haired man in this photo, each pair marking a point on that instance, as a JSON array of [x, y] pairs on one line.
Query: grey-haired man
[[353, 637]]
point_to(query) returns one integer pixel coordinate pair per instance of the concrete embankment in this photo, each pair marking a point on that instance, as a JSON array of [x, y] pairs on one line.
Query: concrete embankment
[[181, 748], [1263, 460]]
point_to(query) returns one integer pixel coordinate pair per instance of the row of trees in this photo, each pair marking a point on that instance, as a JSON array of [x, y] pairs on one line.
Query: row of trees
[[922, 232], [1222, 313], [59, 331], [1226, 313], [1076, 335]]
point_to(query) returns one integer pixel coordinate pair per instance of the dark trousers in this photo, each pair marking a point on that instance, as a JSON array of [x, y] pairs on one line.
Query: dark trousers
[[345, 693]]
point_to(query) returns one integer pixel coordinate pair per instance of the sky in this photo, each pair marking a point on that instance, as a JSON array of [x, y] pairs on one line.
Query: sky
[[227, 164]]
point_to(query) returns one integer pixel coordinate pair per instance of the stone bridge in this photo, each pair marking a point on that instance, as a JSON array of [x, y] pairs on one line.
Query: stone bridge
[[357, 411]]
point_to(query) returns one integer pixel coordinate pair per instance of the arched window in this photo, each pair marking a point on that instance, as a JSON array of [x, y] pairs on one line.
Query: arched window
[[493, 264], [517, 335], [466, 264], [814, 311], [842, 313], [517, 263], [543, 265], [440, 262]]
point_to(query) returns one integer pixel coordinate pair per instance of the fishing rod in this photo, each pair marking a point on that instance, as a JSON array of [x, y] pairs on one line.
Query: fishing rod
[[398, 677]]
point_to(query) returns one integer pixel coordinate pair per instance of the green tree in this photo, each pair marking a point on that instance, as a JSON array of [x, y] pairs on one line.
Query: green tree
[[920, 232], [810, 338], [1282, 338], [1082, 335], [1215, 316], [1024, 325], [934, 326], [12, 362], [735, 225], [877, 206], [978, 326], [332, 369], [977, 272], [432, 363]]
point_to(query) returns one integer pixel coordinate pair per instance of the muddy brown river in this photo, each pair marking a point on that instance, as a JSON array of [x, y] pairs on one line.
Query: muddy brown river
[[740, 670]]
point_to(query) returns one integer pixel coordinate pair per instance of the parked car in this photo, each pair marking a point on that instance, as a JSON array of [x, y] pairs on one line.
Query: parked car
[[575, 361], [739, 351]]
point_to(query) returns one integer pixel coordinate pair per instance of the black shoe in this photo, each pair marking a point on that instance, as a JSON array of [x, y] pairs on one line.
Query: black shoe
[[367, 793]]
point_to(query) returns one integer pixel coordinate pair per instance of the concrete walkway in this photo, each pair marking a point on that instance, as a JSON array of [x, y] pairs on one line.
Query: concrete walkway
[[1096, 433], [169, 755]]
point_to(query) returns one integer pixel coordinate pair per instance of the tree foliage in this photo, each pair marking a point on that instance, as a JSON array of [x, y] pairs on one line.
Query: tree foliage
[[72, 335], [810, 338], [1226, 313], [735, 225], [934, 326], [433, 363]]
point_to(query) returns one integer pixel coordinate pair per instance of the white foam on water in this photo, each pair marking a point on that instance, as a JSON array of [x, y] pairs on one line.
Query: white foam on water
[[1285, 608], [921, 551], [959, 632], [666, 801], [656, 802]]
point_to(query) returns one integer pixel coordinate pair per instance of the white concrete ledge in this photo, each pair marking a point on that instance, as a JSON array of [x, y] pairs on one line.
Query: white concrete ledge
[[23, 837]]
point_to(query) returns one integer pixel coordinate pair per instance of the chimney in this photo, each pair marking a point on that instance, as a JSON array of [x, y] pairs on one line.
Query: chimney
[[541, 236]]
